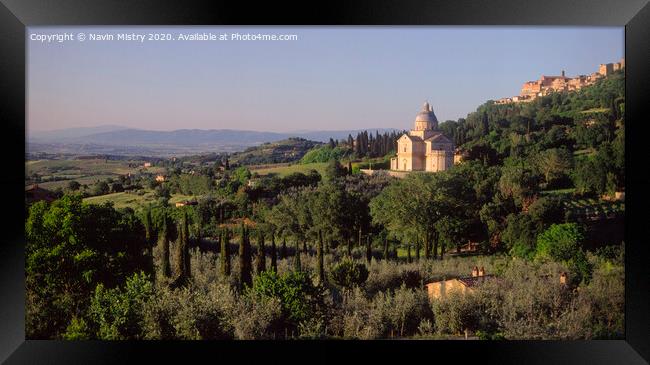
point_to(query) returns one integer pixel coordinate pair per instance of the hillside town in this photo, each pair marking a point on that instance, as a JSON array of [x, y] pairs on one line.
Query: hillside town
[[549, 84]]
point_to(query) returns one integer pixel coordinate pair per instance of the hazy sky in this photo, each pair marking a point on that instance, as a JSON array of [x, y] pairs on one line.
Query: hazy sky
[[330, 78]]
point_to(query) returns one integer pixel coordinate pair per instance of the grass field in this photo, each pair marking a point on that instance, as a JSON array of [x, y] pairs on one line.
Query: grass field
[[83, 171], [567, 191], [132, 200], [596, 110], [284, 170]]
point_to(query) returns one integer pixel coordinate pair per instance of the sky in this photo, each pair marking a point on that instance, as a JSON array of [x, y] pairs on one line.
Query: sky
[[329, 78]]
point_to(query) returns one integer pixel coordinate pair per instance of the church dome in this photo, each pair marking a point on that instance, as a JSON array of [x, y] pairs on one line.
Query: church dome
[[426, 119]]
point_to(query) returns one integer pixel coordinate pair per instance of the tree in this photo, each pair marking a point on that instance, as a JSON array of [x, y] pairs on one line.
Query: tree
[[321, 263], [274, 258], [520, 234], [225, 252], [70, 247], [368, 249], [260, 259], [73, 185], [519, 183], [334, 170], [299, 298], [296, 259], [283, 249], [117, 313], [245, 264], [562, 242], [554, 164], [146, 221], [163, 242], [408, 253], [117, 187], [182, 251], [101, 188], [386, 247], [348, 273]]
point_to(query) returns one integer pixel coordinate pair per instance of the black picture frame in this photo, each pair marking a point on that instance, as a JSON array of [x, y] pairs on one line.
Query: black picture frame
[[16, 15]]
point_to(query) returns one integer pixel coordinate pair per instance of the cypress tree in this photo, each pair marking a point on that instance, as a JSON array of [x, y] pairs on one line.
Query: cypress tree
[[225, 253], [274, 259], [244, 259], [360, 242], [427, 249], [178, 253], [164, 248], [386, 248], [350, 167], [260, 259], [350, 246], [147, 224], [321, 261], [417, 249], [368, 249], [186, 247], [283, 249], [296, 260], [435, 244], [304, 247]]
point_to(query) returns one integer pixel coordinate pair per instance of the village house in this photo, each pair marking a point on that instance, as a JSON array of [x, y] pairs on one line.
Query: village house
[[463, 285], [147, 164], [160, 178]]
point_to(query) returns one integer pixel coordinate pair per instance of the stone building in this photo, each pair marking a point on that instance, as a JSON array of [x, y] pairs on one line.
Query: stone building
[[463, 285], [424, 148]]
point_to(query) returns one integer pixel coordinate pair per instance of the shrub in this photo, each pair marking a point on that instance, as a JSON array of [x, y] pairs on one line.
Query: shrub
[[299, 297], [348, 273], [77, 330], [455, 313], [257, 318]]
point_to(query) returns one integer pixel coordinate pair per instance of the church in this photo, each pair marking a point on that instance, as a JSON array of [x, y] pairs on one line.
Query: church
[[424, 148]]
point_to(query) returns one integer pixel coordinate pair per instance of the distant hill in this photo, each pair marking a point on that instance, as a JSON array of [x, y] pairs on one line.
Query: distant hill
[[287, 150], [177, 142], [62, 134]]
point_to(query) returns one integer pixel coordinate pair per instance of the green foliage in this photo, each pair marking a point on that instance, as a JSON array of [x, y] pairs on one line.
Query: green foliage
[[300, 299], [334, 170], [245, 264], [519, 235], [242, 175], [77, 330], [101, 188], [74, 185], [348, 273], [117, 313], [324, 154], [562, 242], [71, 247], [190, 184], [224, 254]]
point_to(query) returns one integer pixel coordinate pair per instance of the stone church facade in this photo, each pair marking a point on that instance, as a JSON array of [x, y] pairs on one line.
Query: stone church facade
[[424, 148]]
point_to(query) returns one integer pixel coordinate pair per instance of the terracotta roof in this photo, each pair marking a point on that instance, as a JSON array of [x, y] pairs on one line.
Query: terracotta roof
[[438, 138], [413, 138], [472, 281]]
